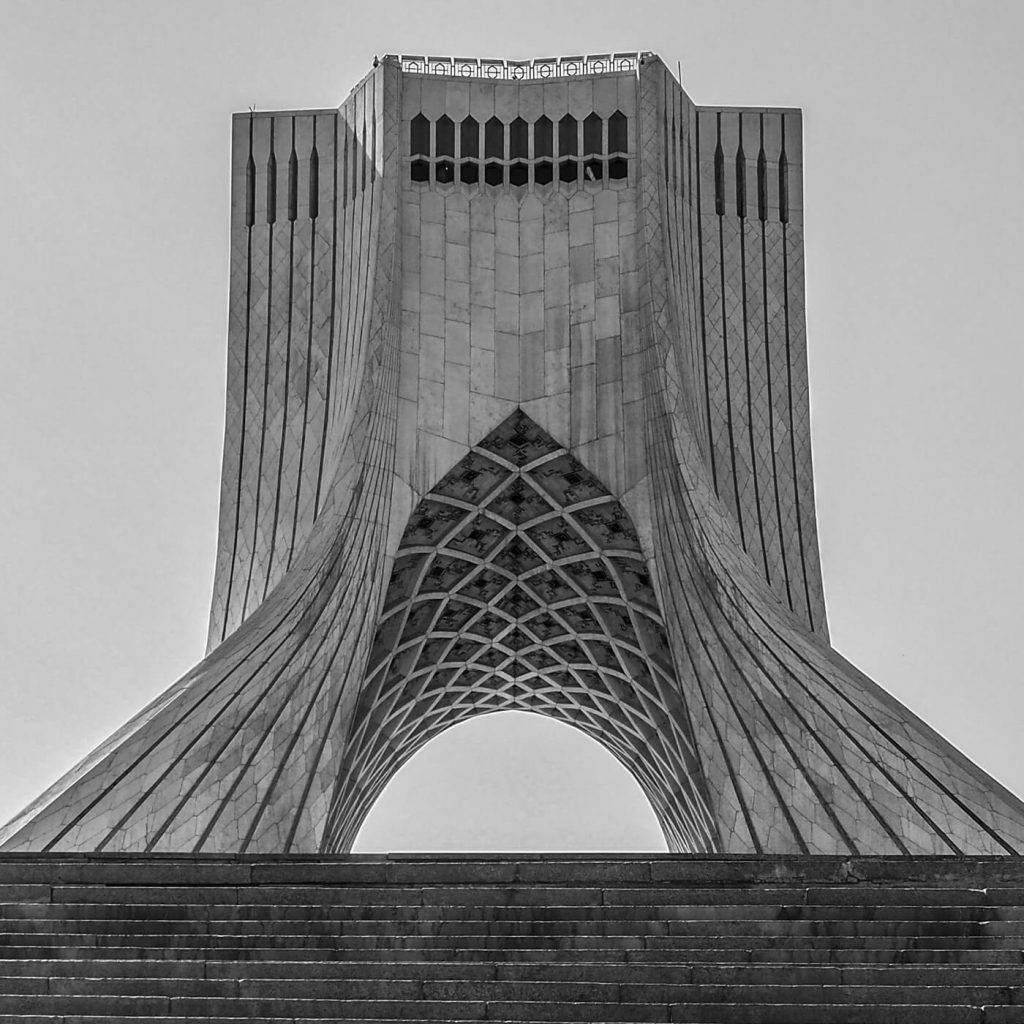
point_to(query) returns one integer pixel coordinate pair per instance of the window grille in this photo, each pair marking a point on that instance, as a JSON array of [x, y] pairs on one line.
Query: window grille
[[520, 153]]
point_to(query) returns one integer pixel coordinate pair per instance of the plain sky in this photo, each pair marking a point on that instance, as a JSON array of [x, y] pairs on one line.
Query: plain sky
[[113, 292]]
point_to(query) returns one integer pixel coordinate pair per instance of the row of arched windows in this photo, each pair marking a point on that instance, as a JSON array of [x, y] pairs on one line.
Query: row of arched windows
[[519, 152]]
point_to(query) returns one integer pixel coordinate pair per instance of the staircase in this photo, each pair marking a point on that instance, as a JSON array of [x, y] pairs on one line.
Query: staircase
[[745, 940]]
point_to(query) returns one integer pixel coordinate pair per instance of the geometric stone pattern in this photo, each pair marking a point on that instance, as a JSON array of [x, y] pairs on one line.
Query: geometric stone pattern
[[520, 444], [520, 584]]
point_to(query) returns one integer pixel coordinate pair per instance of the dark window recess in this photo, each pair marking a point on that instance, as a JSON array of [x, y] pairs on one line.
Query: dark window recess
[[741, 182], [618, 137], [568, 170], [518, 173], [567, 136], [665, 147], [543, 172], [419, 136], [271, 188], [617, 168], [314, 184], [250, 192], [593, 170], [445, 137], [494, 139], [470, 131], [719, 178], [293, 186], [469, 172], [592, 135], [762, 186], [344, 164], [519, 140], [671, 158], [543, 137], [356, 157], [783, 186], [362, 186], [445, 172], [494, 174], [419, 170]]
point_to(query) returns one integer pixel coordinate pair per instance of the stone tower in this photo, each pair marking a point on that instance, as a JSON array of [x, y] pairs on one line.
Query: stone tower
[[517, 418]]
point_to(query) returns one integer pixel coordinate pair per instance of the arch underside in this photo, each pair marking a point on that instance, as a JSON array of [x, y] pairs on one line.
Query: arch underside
[[520, 584]]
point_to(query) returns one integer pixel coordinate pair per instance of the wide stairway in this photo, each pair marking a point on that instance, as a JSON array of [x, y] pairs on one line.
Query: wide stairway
[[770, 940]]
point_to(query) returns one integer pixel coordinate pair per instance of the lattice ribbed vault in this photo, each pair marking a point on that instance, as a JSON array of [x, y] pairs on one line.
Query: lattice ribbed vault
[[520, 584]]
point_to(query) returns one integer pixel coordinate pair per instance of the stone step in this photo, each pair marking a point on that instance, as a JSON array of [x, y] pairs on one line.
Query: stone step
[[584, 869], [286, 931], [99, 913], [513, 895], [490, 990], [592, 1012], [414, 894], [157, 973], [740, 954], [289, 931]]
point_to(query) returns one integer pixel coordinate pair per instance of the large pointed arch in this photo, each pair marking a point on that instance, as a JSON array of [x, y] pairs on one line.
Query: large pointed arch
[[520, 583]]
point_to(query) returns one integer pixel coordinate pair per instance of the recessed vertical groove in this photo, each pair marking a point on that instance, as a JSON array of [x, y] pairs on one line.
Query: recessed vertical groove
[[330, 348], [314, 179], [250, 219], [762, 179], [266, 390], [373, 133], [784, 217], [741, 211], [362, 182], [741, 175], [726, 376], [719, 172], [762, 213], [285, 424], [293, 180], [712, 459], [271, 181], [305, 403], [250, 187]]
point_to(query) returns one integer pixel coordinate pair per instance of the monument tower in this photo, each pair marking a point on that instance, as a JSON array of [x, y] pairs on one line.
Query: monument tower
[[517, 418]]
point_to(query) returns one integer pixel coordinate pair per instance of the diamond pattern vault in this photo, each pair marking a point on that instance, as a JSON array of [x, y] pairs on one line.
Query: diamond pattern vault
[[520, 584]]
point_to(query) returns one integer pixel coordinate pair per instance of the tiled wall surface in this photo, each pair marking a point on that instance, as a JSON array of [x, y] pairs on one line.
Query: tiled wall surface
[[410, 356]]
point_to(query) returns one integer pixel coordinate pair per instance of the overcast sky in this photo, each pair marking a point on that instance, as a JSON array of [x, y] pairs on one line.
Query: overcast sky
[[113, 289]]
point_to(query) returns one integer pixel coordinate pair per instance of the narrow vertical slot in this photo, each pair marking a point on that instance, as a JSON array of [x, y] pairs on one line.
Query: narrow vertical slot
[[762, 180], [271, 180], [314, 178], [293, 180], [741, 178], [719, 172]]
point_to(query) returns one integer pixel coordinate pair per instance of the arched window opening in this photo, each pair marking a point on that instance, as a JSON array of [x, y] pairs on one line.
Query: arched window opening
[[592, 136], [618, 141], [494, 139], [445, 134], [419, 136], [518, 140], [568, 146], [507, 782]]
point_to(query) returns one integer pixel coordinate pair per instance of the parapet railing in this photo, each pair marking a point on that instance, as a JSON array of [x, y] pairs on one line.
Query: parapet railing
[[539, 68]]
